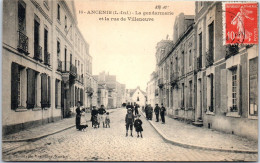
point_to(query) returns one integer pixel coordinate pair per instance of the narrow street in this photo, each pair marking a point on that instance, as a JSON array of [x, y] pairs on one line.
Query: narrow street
[[110, 144]]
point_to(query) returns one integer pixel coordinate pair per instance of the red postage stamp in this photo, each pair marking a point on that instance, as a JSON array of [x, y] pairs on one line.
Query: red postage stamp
[[240, 23]]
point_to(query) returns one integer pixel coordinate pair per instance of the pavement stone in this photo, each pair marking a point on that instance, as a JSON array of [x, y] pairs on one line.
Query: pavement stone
[[110, 144], [188, 134]]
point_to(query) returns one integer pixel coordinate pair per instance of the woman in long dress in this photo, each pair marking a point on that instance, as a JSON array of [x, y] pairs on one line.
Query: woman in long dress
[[78, 116]]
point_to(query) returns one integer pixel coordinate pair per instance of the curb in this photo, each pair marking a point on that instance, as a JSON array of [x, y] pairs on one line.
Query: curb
[[168, 140], [37, 137]]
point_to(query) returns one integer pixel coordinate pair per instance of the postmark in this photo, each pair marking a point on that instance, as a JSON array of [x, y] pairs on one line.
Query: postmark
[[240, 23]]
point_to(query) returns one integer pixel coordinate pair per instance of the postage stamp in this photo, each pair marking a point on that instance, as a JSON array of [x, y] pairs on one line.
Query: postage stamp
[[240, 23]]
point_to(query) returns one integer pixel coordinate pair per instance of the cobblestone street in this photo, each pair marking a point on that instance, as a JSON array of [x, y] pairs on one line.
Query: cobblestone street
[[110, 144]]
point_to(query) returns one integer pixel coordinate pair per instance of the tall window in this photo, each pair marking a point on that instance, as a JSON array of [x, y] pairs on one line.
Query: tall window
[[253, 86], [190, 57], [21, 16], [211, 93], [234, 90], [58, 49], [46, 55], [137, 99], [210, 56], [65, 22], [37, 48], [58, 12], [182, 95], [200, 50], [182, 66]]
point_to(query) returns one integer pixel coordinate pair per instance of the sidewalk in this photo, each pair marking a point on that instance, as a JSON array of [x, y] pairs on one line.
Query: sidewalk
[[187, 135], [41, 131]]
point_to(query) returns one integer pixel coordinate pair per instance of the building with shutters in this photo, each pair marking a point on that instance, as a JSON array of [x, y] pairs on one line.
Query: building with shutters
[[226, 76], [175, 69], [204, 81], [44, 63]]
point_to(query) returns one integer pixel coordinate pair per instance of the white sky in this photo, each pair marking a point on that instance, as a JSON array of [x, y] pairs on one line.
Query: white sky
[[127, 48]]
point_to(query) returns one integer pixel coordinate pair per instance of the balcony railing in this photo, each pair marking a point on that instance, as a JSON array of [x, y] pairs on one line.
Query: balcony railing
[[174, 78], [37, 52], [199, 63], [69, 68], [160, 82], [209, 57], [59, 68], [47, 58], [22, 43], [231, 50]]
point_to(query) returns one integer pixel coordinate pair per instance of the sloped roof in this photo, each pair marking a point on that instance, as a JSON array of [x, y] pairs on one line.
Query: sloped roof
[[132, 91]]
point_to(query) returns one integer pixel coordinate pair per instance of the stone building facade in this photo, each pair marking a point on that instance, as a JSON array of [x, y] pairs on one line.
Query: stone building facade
[[152, 90], [44, 62], [205, 82], [226, 77], [110, 92]]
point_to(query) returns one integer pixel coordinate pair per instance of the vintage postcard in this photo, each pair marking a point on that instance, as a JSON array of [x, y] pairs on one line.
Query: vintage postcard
[[86, 80]]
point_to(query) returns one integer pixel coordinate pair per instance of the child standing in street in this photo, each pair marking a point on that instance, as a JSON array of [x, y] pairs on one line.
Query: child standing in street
[[107, 120], [138, 126]]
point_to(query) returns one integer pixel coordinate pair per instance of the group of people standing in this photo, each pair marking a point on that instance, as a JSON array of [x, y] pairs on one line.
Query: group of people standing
[[97, 117], [157, 110]]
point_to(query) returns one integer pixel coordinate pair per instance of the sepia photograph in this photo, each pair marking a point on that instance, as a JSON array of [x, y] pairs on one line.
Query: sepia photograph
[[149, 80]]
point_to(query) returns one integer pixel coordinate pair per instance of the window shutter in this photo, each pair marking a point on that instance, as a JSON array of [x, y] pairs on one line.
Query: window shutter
[[30, 88], [14, 86], [56, 93], [49, 91], [62, 94], [81, 96], [44, 90], [223, 90], [72, 96], [239, 92]]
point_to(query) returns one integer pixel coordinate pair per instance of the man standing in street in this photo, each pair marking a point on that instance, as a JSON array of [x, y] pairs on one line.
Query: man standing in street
[[157, 111], [101, 112], [163, 113]]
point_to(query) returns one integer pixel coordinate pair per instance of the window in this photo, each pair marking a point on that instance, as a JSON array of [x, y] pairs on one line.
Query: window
[[21, 16], [65, 23], [182, 66], [200, 51], [190, 58], [176, 64], [16, 86], [182, 95], [137, 99], [253, 86], [81, 97], [210, 55], [58, 12], [37, 48], [234, 90], [46, 54], [211, 93], [58, 50]]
